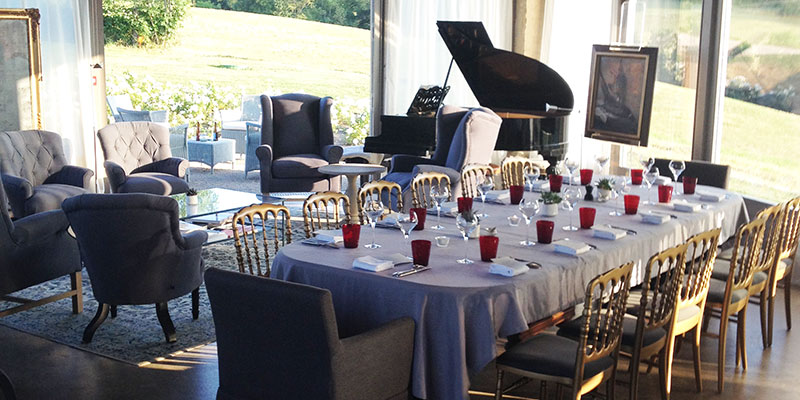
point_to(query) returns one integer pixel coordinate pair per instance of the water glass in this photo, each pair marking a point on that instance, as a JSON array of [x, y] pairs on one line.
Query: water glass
[[374, 209], [571, 197], [440, 193], [529, 209], [466, 225]]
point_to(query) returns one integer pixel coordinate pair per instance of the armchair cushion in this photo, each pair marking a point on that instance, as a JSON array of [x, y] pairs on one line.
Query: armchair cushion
[[38, 226], [72, 175], [298, 166], [49, 197], [295, 124], [173, 166], [551, 355], [153, 182]]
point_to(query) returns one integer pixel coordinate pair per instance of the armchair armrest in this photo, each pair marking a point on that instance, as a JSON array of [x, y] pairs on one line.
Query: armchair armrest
[[264, 154], [116, 175], [406, 163], [173, 166], [381, 358], [194, 239], [332, 153], [39, 226], [72, 175], [18, 190]]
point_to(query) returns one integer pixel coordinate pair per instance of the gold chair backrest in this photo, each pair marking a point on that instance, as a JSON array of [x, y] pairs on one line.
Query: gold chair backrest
[[746, 250], [246, 232], [469, 178], [603, 312], [325, 207], [377, 189], [662, 281], [701, 251], [791, 230], [513, 170], [421, 188], [773, 220]]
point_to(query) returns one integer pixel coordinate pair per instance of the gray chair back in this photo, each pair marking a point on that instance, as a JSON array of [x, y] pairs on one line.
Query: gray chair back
[[32, 155], [275, 339], [473, 139], [448, 119], [133, 144], [296, 124], [251, 108], [132, 248], [707, 173], [119, 101]]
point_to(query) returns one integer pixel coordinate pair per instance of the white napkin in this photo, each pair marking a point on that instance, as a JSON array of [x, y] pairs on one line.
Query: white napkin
[[498, 197], [370, 263], [607, 232], [711, 197], [571, 247], [655, 219], [329, 235], [663, 180], [507, 266], [449, 208], [389, 221], [685, 206], [398, 259], [541, 186]]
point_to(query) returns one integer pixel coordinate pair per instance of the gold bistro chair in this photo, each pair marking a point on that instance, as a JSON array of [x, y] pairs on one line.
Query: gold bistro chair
[[785, 258], [469, 178], [581, 365], [325, 207], [513, 170], [377, 189], [246, 232], [421, 188]]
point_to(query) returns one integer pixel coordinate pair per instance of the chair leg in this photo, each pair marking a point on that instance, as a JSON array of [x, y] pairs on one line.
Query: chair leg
[[663, 373], [787, 298], [740, 336], [770, 317], [763, 310], [723, 333], [114, 311], [696, 353], [196, 303], [166, 322], [611, 392], [559, 391], [102, 314], [76, 284], [543, 390], [498, 391], [633, 370]]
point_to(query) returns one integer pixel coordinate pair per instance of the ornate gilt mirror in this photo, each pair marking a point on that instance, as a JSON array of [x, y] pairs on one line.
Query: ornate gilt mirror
[[20, 69]]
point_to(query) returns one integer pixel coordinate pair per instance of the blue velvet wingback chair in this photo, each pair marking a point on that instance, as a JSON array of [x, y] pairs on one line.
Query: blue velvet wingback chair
[[296, 139], [36, 249], [35, 172], [139, 159], [134, 252], [463, 136], [279, 340]]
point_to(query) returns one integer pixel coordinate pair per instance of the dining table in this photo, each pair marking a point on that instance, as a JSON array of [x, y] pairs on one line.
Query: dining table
[[462, 310]]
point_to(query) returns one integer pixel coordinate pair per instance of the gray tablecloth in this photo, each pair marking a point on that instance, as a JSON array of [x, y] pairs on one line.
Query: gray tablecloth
[[461, 310]]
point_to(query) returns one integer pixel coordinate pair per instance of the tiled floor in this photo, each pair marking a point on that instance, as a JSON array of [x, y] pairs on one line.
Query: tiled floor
[[41, 369]]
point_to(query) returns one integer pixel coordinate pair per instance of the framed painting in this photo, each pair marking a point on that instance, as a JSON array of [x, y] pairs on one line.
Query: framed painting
[[621, 93], [20, 69]]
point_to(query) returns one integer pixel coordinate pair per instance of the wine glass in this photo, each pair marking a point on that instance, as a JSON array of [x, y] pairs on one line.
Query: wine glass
[[571, 197], [572, 165], [406, 222], [374, 209], [440, 193], [485, 184], [602, 161], [466, 223], [647, 163], [650, 179], [529, 209], [620, 188], [676, 167], [532, 173]]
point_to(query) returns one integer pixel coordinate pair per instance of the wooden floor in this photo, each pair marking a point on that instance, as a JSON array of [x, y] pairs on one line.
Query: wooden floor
[[41, 369]]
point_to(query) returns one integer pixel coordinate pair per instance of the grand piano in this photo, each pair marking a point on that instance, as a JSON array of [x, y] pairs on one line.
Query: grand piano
[[533, 99]]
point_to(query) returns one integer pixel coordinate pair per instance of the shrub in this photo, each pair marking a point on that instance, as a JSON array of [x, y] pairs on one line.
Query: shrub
[[779, 98], [670, 68], [142, 22], [350, 119]]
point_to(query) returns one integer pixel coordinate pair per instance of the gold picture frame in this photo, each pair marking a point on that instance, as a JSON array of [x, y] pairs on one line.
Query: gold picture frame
[[20, 69]]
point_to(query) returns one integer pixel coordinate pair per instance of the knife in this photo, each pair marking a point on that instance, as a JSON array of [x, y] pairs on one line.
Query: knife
[[401, 274]]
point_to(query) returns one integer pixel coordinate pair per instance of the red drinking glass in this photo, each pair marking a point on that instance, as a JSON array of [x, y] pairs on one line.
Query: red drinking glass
[[421, 251], [420, 213], [586, 176], [689, 184], [516, 193], [555, 182], [464, 204], [636, 176], [631, 204], [544, 231], [351, 234], [664, 193], [587, 216], [489, 247]]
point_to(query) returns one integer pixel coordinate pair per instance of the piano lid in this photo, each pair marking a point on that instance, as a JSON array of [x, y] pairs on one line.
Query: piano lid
[[501, 80]]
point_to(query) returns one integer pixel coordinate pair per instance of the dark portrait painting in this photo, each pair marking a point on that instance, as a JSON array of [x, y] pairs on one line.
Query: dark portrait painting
[[621, 94]]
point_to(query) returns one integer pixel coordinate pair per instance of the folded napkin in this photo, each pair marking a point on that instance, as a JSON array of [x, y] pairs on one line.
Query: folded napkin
[[329, 235], [685, 206], [507, 266], [541, 186], [498, 197], [389, 221], [607, 232], [370, 263], [398, 259], [663, 180], [711, 197], [571, 247], [449, 208], [655, 219]]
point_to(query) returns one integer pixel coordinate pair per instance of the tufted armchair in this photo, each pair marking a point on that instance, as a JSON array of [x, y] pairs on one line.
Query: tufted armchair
[[139, 159], [35, 172], [296, 139]]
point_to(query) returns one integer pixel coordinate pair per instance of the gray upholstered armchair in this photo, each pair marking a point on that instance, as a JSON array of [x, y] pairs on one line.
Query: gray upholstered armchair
[[279, 340], [36, 249], [139, 159], [463, 137], [134, 252], [296, 139], [123, 111], [35, 172]]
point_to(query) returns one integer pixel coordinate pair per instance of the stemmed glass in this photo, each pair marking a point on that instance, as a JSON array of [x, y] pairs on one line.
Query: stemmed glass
[[572, 166], [374, 209], [602, 161], [676, 167], [440, 193], [466, 223], [406, 222], [532, 173], [571, 197], [485, 184], [650, 179], [647, 163], [620, 188], [529, 209]]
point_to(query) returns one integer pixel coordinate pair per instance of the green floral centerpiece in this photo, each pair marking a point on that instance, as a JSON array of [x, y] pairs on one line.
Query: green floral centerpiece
[[604, 187], [551, 201]]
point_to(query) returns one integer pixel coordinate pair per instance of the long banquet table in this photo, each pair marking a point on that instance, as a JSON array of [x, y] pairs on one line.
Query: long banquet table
[[461, 310]]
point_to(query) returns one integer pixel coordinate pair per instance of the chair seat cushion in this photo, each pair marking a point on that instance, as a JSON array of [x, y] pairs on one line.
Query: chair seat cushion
[[723, 267], [49, 197], [572, 330], [298, 166], [716, 292], [401, 178], [687, 312], [153, 183], [550, 355], [726, 254], [782, 264]]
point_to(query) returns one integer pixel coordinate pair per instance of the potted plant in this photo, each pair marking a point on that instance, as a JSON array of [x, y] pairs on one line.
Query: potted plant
[[604, 187], [191, 197], [551, 201]]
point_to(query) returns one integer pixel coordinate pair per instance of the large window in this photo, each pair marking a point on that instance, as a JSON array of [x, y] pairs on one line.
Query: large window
[[760, 136]]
